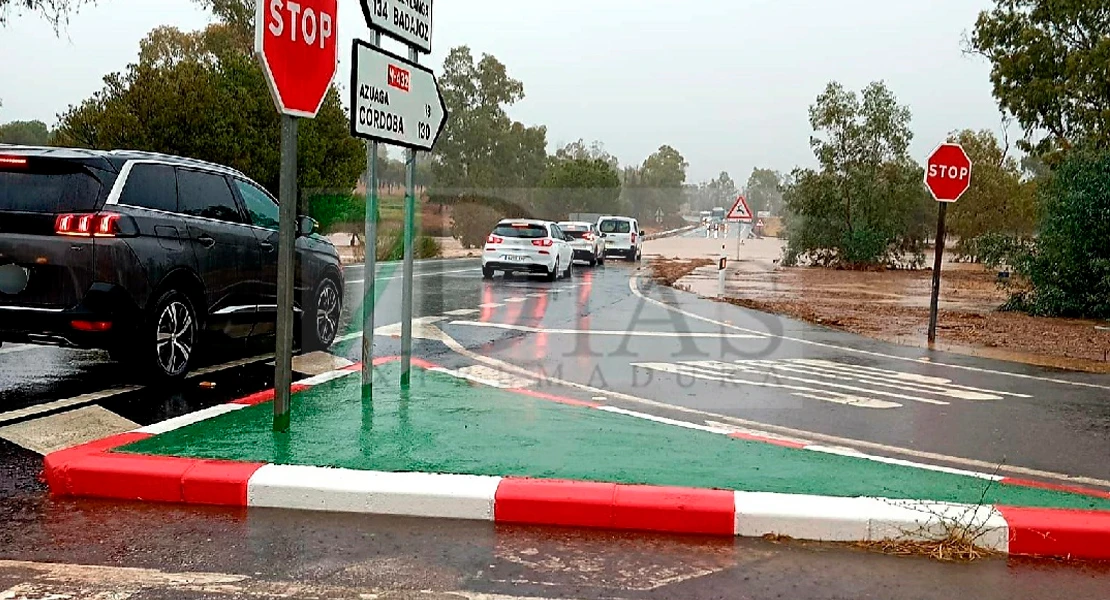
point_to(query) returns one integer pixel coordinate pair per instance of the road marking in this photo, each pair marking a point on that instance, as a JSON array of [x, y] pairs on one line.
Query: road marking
[[12, 348], [488, 376], [429, 274], [633, 284], [489, 305], [539, 295], [776, 430], [463, 312], [657, 334], [515, 300], [95, 397]]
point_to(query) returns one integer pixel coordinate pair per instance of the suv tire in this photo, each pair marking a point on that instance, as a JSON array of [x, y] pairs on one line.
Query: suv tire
[[166, 342], [553, 275], [487, 273], [320, 321]]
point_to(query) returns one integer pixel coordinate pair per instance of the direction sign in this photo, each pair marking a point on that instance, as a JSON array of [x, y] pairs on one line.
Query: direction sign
[[393, 100], [296, 44], [409, 21], [948, 172], [740, 211]]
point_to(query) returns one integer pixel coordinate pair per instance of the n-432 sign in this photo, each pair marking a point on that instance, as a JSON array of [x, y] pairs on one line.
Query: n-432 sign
[[393, 100]]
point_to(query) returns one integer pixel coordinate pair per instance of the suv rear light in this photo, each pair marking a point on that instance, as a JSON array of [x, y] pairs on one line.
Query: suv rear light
[[92, 326], [493, 239], [13, 161], [589, 237], [547, 243], [88, 224]]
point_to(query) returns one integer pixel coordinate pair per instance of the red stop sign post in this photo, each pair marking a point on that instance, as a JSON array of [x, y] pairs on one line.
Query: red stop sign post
[[948, 176], [295, 41]]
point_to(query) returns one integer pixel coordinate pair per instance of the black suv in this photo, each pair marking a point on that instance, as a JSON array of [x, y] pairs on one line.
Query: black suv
[[144, 254]]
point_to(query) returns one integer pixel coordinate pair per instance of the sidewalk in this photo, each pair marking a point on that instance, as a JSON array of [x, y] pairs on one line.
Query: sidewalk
[[454, 448]]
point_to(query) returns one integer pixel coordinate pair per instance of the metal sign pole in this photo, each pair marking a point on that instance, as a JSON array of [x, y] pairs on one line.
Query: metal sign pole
[[287, 238], [370, 258], [934, 302], [410, 235]]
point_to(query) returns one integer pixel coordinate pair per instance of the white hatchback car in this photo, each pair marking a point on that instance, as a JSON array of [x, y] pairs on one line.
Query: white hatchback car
[[622, 236], [527, 246], [588, 244]]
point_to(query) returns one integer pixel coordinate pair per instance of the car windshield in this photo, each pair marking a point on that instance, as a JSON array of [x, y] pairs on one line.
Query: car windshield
[[521, 230], [616, 226]]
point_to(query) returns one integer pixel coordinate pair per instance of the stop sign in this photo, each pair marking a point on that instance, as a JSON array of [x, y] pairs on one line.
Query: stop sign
[[948, 172], [295, 41]]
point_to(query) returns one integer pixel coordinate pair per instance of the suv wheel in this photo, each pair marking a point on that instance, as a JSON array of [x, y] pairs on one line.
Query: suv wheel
[[554, 273], [322, 316], [487, 273], [167, 340]]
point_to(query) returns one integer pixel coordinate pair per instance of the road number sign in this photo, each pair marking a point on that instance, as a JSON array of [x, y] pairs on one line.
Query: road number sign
[[948, 172], [409, 21], [740, 211], [296, 44], [393, 100]]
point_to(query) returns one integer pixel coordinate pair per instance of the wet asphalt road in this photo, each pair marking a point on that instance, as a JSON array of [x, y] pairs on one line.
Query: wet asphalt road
[[1060, 425]]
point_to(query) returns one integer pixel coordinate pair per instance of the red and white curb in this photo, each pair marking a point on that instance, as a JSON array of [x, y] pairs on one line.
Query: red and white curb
[[92, 470]]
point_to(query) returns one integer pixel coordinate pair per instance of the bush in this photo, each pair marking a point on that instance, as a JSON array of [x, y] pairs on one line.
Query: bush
[[427, 247], [1069, 269], [334, 211], [471, 223]]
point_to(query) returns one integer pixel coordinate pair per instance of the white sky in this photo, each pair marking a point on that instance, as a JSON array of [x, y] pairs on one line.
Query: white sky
[[726, 82]]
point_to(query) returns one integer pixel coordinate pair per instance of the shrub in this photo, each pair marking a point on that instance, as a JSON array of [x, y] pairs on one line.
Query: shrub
[[427, 247], [471, 223]]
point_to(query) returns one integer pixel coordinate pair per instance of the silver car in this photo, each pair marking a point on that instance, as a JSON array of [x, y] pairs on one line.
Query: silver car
[[588, 242]]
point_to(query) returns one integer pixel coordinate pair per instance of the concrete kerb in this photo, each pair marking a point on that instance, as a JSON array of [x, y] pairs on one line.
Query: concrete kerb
[[93, 470]]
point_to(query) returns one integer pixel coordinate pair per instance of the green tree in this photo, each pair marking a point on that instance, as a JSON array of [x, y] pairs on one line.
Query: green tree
[[764, 190], [998, 201], [56, 12], [720, 192], [481, 147], [1069, 268], [594, 151], [866, 204], [1050, 60], [658, 185], [580, 185], [202, 94], [26, 133]]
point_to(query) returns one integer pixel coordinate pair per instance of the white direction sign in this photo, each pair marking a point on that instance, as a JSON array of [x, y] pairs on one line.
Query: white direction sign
[[393, 100], [409, 21], [740, 211]]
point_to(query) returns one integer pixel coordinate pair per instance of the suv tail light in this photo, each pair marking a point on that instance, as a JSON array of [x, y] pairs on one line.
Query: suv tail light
[[547, 243], [493, 239], [13, 161], [88, 224], [589, 237]]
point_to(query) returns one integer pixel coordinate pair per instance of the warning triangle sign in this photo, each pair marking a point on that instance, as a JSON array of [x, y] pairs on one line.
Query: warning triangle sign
[[740, 211]]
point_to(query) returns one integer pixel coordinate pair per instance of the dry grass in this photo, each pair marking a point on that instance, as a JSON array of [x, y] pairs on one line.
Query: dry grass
[[954, 548], [666, 271]]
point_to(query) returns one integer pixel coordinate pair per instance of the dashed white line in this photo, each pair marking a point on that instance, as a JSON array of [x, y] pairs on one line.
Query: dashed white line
[[462, 312], [515, 300], [489, 305]]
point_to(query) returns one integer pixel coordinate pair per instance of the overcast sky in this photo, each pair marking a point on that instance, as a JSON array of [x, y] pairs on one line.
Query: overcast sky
[[726, 82]]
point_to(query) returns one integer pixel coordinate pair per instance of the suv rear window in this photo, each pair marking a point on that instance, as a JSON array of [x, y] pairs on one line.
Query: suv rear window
[[524, 230], [616, 226], [151, 186], [48, 191]]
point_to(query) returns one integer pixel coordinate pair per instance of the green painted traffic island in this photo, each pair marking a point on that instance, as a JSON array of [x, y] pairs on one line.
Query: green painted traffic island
[[449, 447]]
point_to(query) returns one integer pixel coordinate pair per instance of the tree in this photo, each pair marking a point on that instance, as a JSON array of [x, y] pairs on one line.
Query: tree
[[998, 201], [721, 192], [1049, 68], [579, 150], [658, 185], [56, 12], [866, 204], [26, 133], [481, 147], [764, 189], [202, 94], [580, 185], [1069, 268]]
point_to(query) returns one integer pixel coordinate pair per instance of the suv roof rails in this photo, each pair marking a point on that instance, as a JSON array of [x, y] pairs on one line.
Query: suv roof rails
[[182, 160]]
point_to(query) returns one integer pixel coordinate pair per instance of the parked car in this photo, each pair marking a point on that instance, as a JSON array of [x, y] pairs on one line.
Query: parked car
[[527, 246], [623, 237], [589, 242], [146, 254]]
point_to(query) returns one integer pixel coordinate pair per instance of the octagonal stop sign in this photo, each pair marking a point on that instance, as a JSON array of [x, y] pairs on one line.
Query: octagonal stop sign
[[948, 172], [296, 42]]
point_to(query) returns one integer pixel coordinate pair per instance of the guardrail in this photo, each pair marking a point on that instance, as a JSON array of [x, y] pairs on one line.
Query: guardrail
[[670, 233]]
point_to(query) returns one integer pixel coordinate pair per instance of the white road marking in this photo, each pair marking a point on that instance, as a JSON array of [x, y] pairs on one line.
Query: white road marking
[[489, 305], [13, 348], [515, 300], [488, 376], [657, 334], [462, 312], [539, 295], [663, 420], [779, 430], [633, 284]]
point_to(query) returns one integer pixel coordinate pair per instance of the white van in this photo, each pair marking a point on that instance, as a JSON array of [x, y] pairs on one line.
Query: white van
[[623, 237]]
